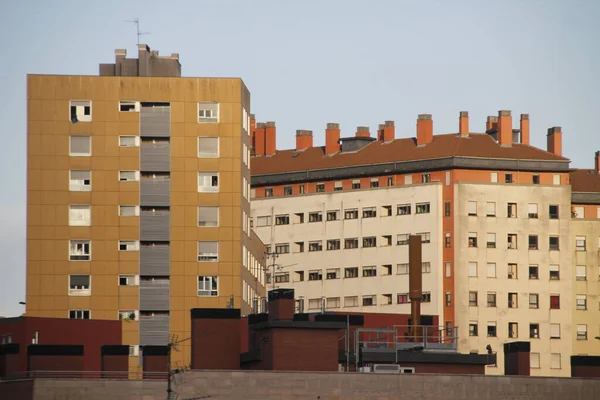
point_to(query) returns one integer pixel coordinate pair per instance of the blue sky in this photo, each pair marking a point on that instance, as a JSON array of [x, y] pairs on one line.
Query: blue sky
[[310, 62]]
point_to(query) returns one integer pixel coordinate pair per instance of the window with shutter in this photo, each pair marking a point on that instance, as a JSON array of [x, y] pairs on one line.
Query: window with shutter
[[208, 147], [208, 112], [129, 211], [129, 141], [80, 111], [79, 285], [208, 216], [80, 215], [208, 182], [79, 250], [80, 146], [80, 181], [129, 176], [208, 251]]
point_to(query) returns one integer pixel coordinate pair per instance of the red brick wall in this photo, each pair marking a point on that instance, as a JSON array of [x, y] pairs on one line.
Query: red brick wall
[[155, 364], [57, 363], [112, 364], [585, 371], [216, 343], [305, 350]]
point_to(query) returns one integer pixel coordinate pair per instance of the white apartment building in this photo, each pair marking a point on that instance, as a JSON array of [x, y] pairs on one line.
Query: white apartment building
[[348, 250]]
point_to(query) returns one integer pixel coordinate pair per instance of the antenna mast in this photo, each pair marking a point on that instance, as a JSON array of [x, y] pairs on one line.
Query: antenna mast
[[136, 21]]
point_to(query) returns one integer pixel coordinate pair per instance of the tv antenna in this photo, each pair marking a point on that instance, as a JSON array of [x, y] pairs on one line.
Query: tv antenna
[[174, 369], [136, 21]]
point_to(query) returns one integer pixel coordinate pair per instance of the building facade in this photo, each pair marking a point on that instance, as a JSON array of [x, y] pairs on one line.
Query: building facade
[[500, 226], [138, 198]]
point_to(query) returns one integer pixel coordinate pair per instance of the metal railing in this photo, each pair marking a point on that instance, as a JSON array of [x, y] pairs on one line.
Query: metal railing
[[85, 375]]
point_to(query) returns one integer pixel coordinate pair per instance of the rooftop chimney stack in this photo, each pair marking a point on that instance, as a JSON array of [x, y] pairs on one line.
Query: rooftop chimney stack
[[270, 139], [259, 139], [387, 132], [491, 124], [463, 124], [363, 131], [504, 128], [554, 140], [281, 304], [304, 139], [332, 138], [524, 128], [424, 129], [597, 162]]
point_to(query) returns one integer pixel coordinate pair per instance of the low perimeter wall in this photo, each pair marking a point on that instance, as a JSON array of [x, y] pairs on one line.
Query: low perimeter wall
[[255, 385]]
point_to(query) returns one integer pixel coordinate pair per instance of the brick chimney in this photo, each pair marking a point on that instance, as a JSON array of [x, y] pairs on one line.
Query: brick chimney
[[270, 138], [363, 131], [304, 139], [524, 128], [463, 124], [252, 131], [332, 138], [281, 304], [554, 140], [597, 162], [504, 128], [424, 129], [259, 139], [387, 132]]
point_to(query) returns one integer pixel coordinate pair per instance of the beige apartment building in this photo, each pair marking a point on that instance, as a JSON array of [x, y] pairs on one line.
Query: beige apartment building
[[138, 198]]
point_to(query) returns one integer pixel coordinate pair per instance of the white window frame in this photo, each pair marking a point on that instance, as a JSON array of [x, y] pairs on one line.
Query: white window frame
[[128, 315], [124, 178], [79, 316], [208, 257], [472, 269], [491, 209], [494, 177], [80, 253], [136, 210], [556, 179], [578, 212], [580, 243], [208, 224], [208, 291], [581, 302], [80, 209], [472, 208], [135, 280], [81, 291], [128, 103], [80, 110], [130, 245], [491, 270], [78, 185], [554, 331], [555, 361], [204, 177], [582, 332], [534, 360], [209, 155], [134, 350], [204, 119], [581, 272], [124, 138], [72, 154]]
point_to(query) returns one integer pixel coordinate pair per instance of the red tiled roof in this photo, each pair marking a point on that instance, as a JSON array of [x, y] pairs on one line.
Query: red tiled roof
[[585, 180], [477, 145]]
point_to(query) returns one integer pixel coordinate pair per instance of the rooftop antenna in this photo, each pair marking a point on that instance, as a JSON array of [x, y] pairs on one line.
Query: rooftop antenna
[[136, 21]]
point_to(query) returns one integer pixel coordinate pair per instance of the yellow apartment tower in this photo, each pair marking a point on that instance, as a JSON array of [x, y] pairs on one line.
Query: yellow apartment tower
[[138, 187]]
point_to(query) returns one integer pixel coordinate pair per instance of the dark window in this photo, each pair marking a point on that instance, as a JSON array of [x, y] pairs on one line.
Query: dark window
[[508, 178], [269, 192], [447, 209], [553, 242], [320, 187], [553, 211], [287, 190], [554, 302], [533, 272], [533, 242], [536, 179], [374, 184]]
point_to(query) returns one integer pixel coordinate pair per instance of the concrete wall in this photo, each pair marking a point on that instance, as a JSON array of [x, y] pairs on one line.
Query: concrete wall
[[249, 385]]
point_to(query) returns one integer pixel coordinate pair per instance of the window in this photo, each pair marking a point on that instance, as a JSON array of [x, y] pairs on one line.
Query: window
[[129, 245], [553, 242], [316, 216], [473, 299], [129, 211], [386, 211], [315, 304], [472, 239], [299, 218], [370, 300], [555, 360], [80, 181], [404, 209], [208, 182], [533, 242], [351, 213], [208, 147], [80, 111], [581, 272], [555, 302], [554, 272], [402, 269], [79, 285], [208, 251], [513, 330], [268, 192], [534, 360], [351, 301], [129, 106], [581, 332], [299, 276], [447, 240], [129, 141], [532, 210], [301, 189], [208, 286], [512, 241], [491, 299], [512, 271], [315, 275], [535, 179], [370, 241], [283, 219], [282, 277], [580, 243], [473, 331], [374, 183], [402, 238], [472, 208], [491, 209], [491, 270], [513, 300], [426, 298], [491, 240], [491, 329], [332, 273], [208, 216], [511, 210], [333, 215], [128, 315], [333, 302], [402, 298], [337, 186], [390, 181], [448, 299], [208, 112], [80, 215], [80, 146], [333, 244], [129, 176], [422, 208], [369, 212], [425, 178], [578, 212], [448, 267], [447, 209], [494, 177], [316, 245], [351, 243], [298, 247], [534, 331], [320, 187], [582, 302], [351, 272], [263, 221], [282, 248], [287, 190], [534, 300], [556, 179], [369, 271], [128, 280], [554, 331], [508, 178], [386, 269], [386, 240], [80, 250], [533, 272], [553, 211], [473, 269], [356, 184], [79, 314]]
